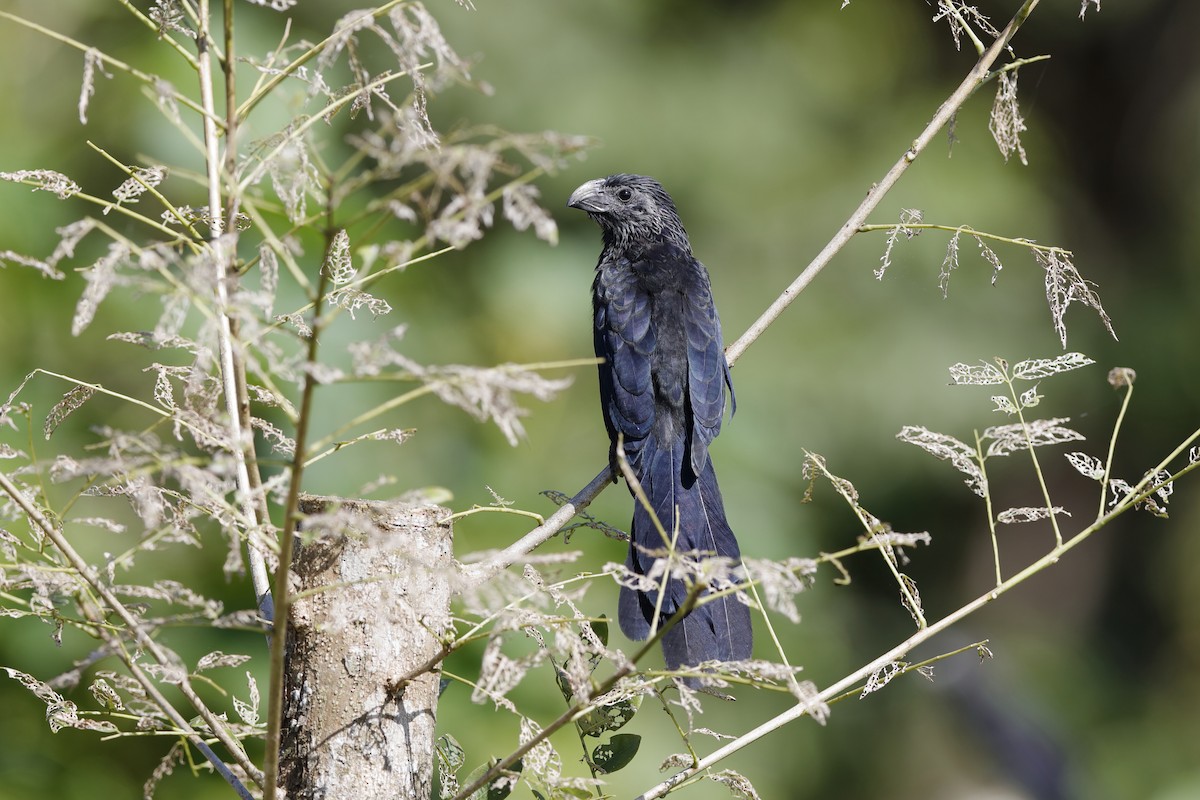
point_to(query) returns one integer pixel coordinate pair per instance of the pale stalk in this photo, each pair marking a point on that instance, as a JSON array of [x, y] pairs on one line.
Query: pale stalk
[[987, 499], [875, 194], [87, 574], [1143, 489], [1112, 447], [229, 370], [978, 74]]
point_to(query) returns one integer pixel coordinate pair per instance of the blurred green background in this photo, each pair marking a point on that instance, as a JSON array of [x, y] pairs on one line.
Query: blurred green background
[[768, 121]]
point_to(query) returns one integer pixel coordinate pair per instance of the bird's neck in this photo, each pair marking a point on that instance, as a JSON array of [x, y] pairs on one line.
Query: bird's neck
[[646, 248]]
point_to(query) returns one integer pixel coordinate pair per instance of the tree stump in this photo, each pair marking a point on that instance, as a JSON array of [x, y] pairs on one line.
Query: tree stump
[[369, 588]]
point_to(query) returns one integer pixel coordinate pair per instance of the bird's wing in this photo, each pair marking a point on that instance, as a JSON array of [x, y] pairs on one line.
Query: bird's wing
[[708, 372], [625, 339]]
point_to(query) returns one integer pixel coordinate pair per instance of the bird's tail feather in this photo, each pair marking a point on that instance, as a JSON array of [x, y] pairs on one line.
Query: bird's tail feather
[[719, 629]]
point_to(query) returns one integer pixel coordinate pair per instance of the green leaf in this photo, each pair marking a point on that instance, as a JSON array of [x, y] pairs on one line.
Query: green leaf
[[450, 758], [450, 752], [600, 628], [607, 718], [564, 685], [617, 752]]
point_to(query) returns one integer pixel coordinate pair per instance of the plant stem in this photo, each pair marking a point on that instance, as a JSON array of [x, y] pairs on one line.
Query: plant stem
[[1143, 489], [145, 78], [876, 193], [579, 709], [145, 642], [291, 517], [968, 230], [987, 499], [1112, 446], [1037, 466]]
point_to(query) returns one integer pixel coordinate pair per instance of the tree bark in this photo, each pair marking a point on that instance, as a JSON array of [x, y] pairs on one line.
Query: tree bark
[[369, 590]]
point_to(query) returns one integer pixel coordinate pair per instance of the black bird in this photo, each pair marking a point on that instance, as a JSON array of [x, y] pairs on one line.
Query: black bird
[[662, 389]]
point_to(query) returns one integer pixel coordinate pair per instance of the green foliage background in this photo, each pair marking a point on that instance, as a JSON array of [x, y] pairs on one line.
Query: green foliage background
[[767, 121]]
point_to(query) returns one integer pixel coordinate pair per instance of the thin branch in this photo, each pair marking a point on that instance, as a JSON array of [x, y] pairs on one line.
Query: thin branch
[[967, 229], [262, 92], [987, 499], [320, 116], [291, 518], [1037, 466], [876, 193], [241, 444], [151, 190], [962, 24], [162, 36], [146, 78], [1014, 65], [542, 533], [578, 710], [857, 220], [478, 509], [871, 528], [88, 575], [114, 642], [1112, 446], [906, 667], [899, 651]]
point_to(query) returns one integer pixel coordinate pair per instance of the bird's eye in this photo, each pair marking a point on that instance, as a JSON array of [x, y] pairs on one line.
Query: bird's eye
[[623, 195]]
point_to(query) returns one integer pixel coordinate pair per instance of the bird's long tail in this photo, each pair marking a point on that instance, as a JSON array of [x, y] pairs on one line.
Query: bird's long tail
[[719, 629]]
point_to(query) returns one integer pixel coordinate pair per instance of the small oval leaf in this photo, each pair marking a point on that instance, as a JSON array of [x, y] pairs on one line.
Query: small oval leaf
[[617, 752], [600, 627], [607, 718]]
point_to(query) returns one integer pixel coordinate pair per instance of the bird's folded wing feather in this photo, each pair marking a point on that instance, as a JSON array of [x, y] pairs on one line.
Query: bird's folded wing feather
[[708, 374]]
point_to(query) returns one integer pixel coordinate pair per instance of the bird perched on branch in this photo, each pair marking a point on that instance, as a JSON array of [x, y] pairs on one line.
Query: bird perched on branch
[[662, 390]]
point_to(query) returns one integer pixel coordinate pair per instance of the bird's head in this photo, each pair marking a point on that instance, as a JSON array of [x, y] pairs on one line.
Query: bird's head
[[633, 211]]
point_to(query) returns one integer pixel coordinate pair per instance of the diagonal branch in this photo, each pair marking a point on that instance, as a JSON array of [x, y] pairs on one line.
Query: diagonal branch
[[144, 641], [1143, 489], [978, 75]]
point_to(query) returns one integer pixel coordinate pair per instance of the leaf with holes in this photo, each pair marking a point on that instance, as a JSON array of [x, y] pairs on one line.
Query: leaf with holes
[[502, 786], [607, 718], [617, 752]]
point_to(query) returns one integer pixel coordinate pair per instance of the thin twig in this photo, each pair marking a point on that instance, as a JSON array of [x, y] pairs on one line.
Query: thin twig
[[291, 518], [264, 91], [906, 667], [223, 253], [145, 78], [1037, 466], [542, 533], [987, 499], [872, 531], [87, 574], [478, 509], [1112, 446], [845, 233], [578, 710], [895, 654], [876, 193], [162, 36], [967, 229], [286, 140]]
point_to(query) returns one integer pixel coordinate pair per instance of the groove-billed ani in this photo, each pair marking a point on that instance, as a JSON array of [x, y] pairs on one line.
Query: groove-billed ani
[[662, 388]]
